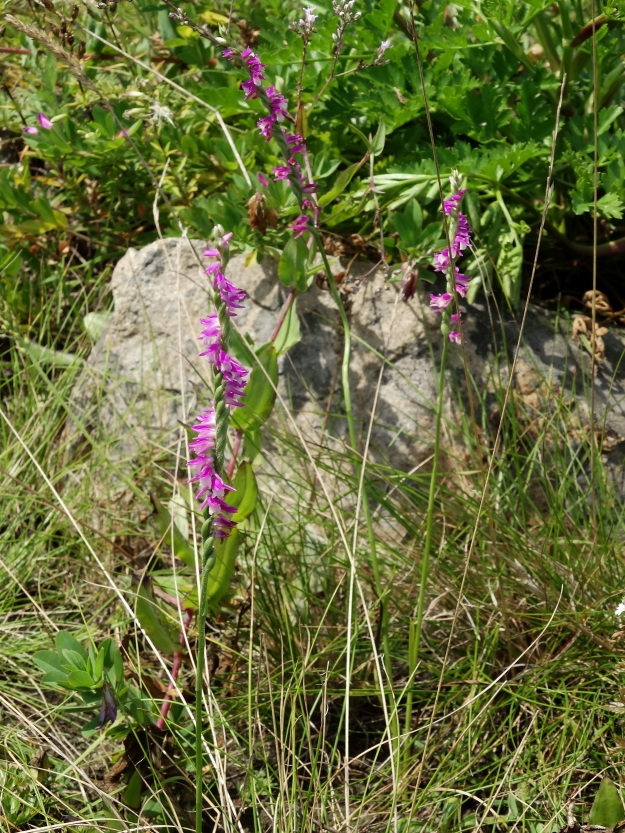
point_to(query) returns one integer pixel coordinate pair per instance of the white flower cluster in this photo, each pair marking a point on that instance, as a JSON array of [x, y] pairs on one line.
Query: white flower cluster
[[381, 50], [343, 10], [307, 23]]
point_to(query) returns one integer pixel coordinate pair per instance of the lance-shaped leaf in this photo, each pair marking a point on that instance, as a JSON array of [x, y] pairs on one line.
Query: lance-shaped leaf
[[259, 392], [289, 332], [171, 534], [342, 181], [52, 665], [380, 138], [147, 614], [246, 494], [221, 574], [607, 808], [293, 266]]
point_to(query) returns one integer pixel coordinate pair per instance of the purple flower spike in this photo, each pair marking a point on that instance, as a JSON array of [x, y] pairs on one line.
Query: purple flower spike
[[231, 295], [229, 54], [300, 226], [44, 121], [31, 131], [456, 282], [263, 180], [212, 253]]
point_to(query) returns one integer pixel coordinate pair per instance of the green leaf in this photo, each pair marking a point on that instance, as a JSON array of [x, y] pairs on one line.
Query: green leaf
[[260, 393], [509, 265], [221, 574], [73, 660], [512, 43], [607, 809], [45, 355], [342, 181], [292, 269], [253, 445], [361, 135], [289, 332], [147, 614], [241, 348], [172, 536], [113, 662], [98, 666], [246, 494], [80, 679], [380, 138], [51, 664], [409, 225], [66, 642], [132, 793]]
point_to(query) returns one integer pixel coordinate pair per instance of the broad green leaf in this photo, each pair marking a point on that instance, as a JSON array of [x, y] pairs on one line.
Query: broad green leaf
[[253, 445], [342, 181], [260, 393], [172, 536], [246, 494], [607, 809], [73, 660], [380, 138], [221, 574], [409, 225], [66, 642], [80, 679], [289, 332], [51, 664], [147, 614], [292, 269]]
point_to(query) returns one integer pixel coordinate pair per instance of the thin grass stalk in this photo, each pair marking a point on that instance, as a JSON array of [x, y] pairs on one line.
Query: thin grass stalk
[[347, 401], [593, 337]]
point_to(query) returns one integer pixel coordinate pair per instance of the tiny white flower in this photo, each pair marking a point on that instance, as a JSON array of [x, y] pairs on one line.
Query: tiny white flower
[[159, 113], [620, 610]]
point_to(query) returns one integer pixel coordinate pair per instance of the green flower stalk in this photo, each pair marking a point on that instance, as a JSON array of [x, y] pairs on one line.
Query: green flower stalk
[[229, 379]]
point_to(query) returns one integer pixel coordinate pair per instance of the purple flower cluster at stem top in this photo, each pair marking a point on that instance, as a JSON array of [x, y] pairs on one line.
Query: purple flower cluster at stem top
[[212, 487], [460, 231], [290, 172]]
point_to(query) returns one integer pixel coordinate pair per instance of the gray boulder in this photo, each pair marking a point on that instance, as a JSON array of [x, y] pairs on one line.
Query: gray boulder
[[143, 376]]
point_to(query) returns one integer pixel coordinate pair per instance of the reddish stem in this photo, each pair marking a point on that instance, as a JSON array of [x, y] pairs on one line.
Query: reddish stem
[[175, 670], [284, 313]]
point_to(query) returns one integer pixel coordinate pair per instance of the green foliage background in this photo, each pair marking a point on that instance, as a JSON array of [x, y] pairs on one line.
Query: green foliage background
[[75, 197]]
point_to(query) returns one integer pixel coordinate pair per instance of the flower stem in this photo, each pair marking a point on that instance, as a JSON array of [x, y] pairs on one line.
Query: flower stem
[[208, 562]]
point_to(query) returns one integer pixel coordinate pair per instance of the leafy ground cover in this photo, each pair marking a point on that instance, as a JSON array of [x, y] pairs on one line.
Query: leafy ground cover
[[512, 707]]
